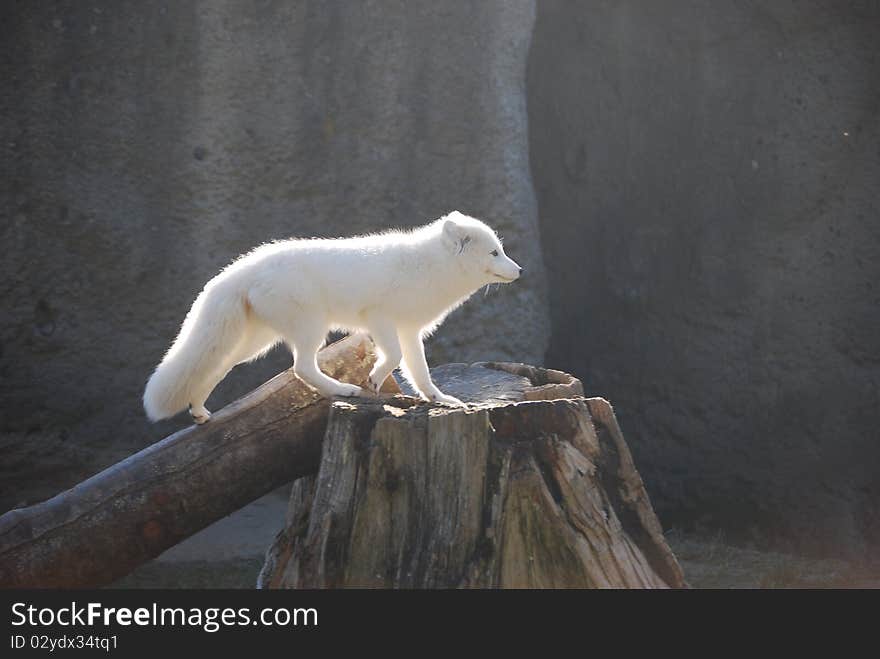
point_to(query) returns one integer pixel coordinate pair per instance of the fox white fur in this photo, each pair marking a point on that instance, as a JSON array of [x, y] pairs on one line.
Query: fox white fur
[[397, 286]]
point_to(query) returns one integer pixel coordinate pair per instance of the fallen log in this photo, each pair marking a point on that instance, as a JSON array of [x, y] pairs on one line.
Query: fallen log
[[531, 486], [103, 528]]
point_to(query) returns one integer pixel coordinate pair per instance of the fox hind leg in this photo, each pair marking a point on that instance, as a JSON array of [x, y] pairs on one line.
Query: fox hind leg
[[256, 340], [384, 335], [305, 337]]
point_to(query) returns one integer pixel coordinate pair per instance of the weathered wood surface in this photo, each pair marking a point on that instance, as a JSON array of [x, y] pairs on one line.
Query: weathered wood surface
[[129, 513], [533, 486]]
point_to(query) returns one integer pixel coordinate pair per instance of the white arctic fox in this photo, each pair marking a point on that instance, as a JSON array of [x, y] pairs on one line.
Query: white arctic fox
[[397, 286]]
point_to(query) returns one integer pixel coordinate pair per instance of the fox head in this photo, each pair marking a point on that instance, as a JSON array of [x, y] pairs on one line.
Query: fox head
[[477, 250]]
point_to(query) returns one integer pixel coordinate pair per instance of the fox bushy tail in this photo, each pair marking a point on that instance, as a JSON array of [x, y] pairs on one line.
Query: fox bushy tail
[[197, 359]]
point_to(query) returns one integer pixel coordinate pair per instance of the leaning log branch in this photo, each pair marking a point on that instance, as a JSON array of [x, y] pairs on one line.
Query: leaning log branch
[[103, 528]]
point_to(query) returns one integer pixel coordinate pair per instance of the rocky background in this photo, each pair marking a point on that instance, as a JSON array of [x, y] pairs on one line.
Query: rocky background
[[146, 145], [706, 216], [707, 174]]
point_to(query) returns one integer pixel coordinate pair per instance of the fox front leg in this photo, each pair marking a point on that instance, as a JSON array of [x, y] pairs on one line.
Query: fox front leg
[[417, 366]]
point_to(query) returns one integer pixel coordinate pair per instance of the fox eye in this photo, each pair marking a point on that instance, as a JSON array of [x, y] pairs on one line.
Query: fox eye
[[494, 252]]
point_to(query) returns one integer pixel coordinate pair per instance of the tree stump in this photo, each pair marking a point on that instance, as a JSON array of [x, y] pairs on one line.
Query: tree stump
[[531, 486]]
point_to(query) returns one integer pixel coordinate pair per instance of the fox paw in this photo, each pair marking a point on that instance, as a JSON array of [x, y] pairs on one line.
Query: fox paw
[[348, 390], [440, 397], [199, 415]]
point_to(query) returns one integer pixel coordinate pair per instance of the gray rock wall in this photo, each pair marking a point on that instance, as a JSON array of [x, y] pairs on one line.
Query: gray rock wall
[[145, 145], [707, 176]]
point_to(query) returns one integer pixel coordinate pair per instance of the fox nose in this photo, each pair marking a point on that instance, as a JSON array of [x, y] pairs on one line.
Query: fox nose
[[520, 269]]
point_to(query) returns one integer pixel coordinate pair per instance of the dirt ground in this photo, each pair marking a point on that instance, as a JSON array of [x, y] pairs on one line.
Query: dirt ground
[[709, 562]]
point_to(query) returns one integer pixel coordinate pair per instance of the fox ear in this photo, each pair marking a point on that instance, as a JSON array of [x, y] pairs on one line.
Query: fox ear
[[452, 230], [455, 236]]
